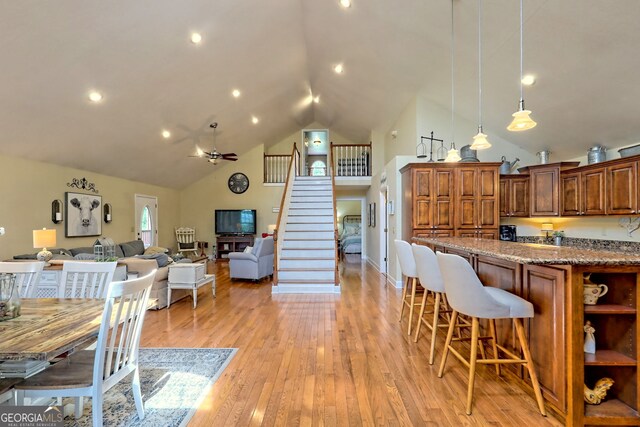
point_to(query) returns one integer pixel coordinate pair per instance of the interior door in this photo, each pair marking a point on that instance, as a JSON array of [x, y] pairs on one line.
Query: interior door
[[146, 219]]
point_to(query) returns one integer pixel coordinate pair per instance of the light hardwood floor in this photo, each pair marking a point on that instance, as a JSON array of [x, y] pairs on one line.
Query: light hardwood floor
[[329, 360]]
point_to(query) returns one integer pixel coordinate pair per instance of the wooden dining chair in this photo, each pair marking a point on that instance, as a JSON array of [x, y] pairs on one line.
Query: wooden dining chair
[[85, 279], [93, 372], [27, 276]]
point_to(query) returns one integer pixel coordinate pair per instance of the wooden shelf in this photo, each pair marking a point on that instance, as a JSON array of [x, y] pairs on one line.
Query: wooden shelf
[[608, 309], [610, 412], [608, 358]]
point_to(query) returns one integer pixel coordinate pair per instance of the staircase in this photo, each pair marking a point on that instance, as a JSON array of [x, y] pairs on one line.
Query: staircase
[[307, 262]]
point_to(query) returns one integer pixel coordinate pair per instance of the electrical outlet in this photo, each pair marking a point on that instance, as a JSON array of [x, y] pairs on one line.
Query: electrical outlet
[[2, 231]]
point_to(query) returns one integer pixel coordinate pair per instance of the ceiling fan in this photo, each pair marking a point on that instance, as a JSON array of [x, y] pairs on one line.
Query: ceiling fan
[[213, 156]]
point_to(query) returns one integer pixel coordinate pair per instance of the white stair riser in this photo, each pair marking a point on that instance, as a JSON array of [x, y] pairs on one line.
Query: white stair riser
[[305, 275], [295, 211], [293, 219], [310, 205], [310, 195], [306, 253], [301, 199], [308, 235], [313, 178], [314, 182], [311, 187], [309, 227], [306, 288], [306, 263], [309, 244]]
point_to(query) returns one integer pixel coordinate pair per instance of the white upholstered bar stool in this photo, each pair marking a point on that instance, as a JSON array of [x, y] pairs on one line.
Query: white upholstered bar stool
[[467, 295], [27, 276], [408, 268]]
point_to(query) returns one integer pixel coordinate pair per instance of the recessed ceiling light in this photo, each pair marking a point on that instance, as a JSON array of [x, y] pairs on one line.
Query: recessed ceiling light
[[196, 38], [235, 93], [528, 80], [166, 134], [316, 99], [254, 120], [338, 69], [95, 96], [345, 3]]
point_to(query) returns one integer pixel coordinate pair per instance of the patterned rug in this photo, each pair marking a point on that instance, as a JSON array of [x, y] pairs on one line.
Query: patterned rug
[[174, 381]]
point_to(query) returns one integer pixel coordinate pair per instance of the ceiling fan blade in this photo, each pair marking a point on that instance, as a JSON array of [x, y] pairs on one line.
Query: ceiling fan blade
[[229, 155], [230, 158]]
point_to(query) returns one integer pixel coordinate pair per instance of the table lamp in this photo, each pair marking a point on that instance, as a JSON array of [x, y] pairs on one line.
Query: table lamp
[[42, 239], [546, 228], [271, 228]]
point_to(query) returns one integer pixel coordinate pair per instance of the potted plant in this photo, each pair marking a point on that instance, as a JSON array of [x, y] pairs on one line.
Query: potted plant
[[557, 237]]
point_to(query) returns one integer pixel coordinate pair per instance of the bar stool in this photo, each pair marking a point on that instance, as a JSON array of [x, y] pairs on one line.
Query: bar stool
[[467, 295], [408, 268]]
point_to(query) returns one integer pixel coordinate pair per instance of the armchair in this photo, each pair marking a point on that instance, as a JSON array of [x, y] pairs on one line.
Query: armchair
[[253, 265], [186, 238]]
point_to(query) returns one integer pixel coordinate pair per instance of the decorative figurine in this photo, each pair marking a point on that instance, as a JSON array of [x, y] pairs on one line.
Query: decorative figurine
[[589, 338], [595, 396]]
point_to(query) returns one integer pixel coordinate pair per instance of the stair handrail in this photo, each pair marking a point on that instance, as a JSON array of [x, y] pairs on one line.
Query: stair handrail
[[294, 170], [335, 211]]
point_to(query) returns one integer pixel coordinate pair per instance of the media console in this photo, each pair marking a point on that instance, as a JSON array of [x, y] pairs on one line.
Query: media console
[[232, 243]]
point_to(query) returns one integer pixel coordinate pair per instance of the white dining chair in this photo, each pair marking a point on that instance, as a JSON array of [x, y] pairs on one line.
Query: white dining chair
[[467, 295], [93, 372], [85, 279], [27, 276]]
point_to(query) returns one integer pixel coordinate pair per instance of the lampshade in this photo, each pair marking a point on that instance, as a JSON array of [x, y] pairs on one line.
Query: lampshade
[[521, 121], [480, 141], [271, 228], [453, 155], [44, 238], [547, 226]]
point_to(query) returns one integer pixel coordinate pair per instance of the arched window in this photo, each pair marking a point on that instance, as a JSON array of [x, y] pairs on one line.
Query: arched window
[[318, 168], [146, 228]]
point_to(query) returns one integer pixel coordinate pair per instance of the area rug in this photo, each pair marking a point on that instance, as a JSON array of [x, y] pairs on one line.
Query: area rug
[[173, 380]]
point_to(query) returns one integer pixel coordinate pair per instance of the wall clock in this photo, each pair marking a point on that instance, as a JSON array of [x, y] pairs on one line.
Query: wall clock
[[238, 183]]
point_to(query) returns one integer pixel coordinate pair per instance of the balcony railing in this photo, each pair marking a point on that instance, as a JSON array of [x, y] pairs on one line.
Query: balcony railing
[[351, 159], [276, 167]]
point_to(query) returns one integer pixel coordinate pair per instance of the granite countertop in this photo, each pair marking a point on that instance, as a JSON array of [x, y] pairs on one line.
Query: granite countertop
[[531, 253]]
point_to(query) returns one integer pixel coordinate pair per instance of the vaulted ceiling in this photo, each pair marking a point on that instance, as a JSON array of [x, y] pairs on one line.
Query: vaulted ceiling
[[278, 53]]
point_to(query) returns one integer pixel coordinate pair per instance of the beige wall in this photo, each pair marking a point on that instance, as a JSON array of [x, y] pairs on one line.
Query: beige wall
[[347, 207], [27, 189]]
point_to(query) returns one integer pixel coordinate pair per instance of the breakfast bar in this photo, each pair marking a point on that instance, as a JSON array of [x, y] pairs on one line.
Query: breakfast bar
[[553, 279]]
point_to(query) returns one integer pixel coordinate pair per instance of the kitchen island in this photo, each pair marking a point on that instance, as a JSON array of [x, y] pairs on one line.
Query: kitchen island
[[552, 279]]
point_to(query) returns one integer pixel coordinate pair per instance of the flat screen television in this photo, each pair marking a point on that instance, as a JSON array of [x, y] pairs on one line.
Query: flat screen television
[[235, 221]]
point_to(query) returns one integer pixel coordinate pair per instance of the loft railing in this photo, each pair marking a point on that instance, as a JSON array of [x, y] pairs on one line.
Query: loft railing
[[351, 159], [335, 215], [292, 171], [276, 167]]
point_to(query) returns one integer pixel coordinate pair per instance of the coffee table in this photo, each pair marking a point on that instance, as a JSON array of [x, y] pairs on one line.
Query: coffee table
[[193, 286]]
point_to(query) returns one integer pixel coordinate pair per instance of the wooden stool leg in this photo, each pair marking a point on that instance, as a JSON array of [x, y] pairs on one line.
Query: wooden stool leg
[[414, 285], [404, 295], [494, 341], [472, 362], [434, 327], [530, 367], [422, 306], [452, 326]]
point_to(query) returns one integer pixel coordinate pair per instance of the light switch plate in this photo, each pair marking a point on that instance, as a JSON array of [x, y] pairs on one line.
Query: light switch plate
[[2, 231]]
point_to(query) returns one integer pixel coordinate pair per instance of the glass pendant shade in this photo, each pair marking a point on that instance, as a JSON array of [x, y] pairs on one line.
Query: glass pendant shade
[[453, 155], [441, 154], [480, 141], [521, 121]]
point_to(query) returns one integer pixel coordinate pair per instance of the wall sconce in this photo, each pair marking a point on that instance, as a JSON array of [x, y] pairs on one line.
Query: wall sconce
[[546, 228], [107, 212], [56, 211]]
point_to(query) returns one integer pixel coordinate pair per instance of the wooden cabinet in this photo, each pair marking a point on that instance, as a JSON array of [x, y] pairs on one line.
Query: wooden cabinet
[[583, 193], [622, 195], [227, 244], [440, 199], [514, 195], [545, 187]]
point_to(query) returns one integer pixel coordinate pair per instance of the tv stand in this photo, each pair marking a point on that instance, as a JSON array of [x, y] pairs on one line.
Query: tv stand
[[232, 243]]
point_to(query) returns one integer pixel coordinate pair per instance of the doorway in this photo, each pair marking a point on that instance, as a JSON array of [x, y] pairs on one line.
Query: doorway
[[146, 219], [351, 227]]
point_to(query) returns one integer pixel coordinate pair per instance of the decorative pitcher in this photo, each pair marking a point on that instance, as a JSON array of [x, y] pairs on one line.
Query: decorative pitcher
[[9, 298]]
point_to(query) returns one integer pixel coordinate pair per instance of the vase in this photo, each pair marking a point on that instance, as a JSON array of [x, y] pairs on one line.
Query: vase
[[9, 298], [557, 241]]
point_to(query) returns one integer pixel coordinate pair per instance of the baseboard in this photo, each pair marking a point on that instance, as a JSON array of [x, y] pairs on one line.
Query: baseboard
[[305, 289], [373, 263], [398, 284]]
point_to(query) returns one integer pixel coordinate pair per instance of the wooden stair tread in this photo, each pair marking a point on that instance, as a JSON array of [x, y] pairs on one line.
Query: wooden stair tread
[[307, 269], [305, 259], [310, 281]]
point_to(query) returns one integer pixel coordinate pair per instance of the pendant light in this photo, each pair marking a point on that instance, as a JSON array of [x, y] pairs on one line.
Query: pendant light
[[480, 141], [521, 120], [453, 155]]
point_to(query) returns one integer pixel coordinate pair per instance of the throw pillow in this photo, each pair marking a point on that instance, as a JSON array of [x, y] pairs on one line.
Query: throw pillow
[[155, 250], [85, 257], [132, 248], [248, 249], [161, 259], [83, 250]]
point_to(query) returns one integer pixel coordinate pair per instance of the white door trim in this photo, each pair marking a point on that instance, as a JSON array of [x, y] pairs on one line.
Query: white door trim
[[136, 228]]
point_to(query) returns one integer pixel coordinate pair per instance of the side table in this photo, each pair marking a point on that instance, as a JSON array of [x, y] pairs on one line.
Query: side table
[[190, 277]]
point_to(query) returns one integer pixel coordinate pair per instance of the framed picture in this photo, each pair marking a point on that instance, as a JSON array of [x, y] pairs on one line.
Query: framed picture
[[83, 215], [372, 214]]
